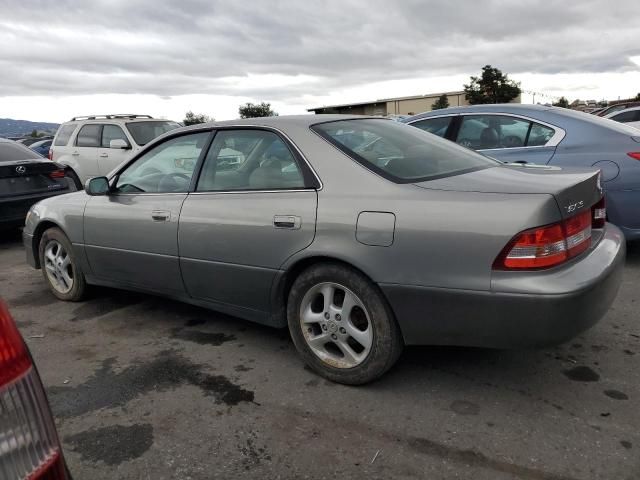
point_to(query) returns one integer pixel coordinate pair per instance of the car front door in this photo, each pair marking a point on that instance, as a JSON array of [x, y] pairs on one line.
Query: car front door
[[131, 234], [109, 158], [254, 206], [508, 138]]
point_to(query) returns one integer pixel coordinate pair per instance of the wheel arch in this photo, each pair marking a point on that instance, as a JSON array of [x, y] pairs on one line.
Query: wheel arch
[[42, 227], [282, 284]]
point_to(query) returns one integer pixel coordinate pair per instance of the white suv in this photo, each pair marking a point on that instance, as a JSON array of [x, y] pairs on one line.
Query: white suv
[[94, 145]]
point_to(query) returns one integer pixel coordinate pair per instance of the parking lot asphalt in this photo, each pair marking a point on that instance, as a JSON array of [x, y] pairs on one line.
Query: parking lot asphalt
[[144, 387]]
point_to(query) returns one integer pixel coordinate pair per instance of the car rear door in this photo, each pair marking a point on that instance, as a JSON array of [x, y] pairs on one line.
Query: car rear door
[[84, 153], [131, 234], [508, 138], [254, 206], [109, 158]]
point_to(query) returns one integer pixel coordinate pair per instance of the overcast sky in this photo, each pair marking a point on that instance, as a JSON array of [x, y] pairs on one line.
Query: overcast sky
[[63, 58]]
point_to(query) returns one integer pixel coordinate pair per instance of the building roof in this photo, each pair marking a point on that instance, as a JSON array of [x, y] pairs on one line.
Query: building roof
[[385, 100]]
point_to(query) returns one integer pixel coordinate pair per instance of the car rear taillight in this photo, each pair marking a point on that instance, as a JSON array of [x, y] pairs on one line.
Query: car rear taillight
[[547, 246], [50, 155], [29, 445], [599, 216], [634, 155], [57, 174]]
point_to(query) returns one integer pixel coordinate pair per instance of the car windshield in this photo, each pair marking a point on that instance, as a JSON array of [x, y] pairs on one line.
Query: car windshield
[[10, 152], [399, 152], [144, 132]]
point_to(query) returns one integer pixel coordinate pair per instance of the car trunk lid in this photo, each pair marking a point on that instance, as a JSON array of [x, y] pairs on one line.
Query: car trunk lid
[[23, 177], [574, 189]]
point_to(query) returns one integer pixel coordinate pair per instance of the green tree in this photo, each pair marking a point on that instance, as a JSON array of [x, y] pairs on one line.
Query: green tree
[[34, 133], [442, 102], [191, 118], [492, 86], [562, 102], [253, 110], [638, 97]]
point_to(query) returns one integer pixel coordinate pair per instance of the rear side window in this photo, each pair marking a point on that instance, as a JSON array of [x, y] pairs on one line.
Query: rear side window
[[437, 126], [10, 152], [89, 136], [249, 160], [64, 134], [398, 152], [485, 132]]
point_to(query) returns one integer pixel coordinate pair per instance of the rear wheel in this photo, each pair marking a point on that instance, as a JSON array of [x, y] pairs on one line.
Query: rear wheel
[[341, 324], [59, 267]]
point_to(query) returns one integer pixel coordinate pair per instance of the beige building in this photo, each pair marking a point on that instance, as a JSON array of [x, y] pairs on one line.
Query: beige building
[[397, 106]]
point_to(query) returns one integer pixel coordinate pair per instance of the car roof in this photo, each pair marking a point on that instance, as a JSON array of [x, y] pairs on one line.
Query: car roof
[[285, 120], [497, 107], [619, 112]]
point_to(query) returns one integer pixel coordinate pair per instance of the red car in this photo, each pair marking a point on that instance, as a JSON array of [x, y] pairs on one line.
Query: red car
[[29, 445]]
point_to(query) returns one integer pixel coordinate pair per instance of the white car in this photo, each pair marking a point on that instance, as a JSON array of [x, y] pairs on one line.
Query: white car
[[628, 116], [94, 145]]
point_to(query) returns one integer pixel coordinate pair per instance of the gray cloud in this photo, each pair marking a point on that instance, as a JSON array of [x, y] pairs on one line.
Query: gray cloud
[[194, 46]]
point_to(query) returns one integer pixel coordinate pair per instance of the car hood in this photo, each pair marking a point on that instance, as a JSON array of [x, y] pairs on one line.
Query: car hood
[[573, 188]]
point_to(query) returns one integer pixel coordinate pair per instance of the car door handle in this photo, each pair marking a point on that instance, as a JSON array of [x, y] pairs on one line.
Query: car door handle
[[287, 221], [104, 155], [160, 216], [75, 154]]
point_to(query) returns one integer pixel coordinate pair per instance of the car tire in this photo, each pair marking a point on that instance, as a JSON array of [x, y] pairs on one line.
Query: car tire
[[60, 267], [74, 178], [368, 337]]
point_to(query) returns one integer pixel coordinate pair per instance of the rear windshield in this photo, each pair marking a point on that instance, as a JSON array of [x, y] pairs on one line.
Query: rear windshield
[[10, 152], [144, 132], [399, 152]]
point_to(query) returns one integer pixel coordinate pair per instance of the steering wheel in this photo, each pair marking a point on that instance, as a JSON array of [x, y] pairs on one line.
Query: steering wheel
[[178, 174], [168, 181]]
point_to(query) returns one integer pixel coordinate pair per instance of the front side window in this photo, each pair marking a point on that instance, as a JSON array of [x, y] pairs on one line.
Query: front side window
[[485, 132], [89, 136], [249, 160], [437, 126], [144, 132], [112, 132], [64, 134], [400, 153], [166, 168]]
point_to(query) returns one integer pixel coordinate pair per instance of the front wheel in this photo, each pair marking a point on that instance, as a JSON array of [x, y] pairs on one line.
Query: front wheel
[[59, 267], [341, 324]]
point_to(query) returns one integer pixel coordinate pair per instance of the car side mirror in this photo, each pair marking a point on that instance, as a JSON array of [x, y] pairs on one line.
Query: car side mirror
[[97, 186], [119, 143]]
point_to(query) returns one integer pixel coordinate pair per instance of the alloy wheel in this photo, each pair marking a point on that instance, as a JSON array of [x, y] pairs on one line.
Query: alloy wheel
[[57, 264], [336, 325]]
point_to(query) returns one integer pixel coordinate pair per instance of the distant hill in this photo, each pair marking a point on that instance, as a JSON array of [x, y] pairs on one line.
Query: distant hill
[[10, 127]]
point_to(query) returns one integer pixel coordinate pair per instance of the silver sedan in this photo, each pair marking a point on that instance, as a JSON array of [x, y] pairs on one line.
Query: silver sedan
[[361, 235]]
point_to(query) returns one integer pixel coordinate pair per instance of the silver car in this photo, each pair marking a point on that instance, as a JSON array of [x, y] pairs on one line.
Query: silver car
[[361, 234], [551, 136]]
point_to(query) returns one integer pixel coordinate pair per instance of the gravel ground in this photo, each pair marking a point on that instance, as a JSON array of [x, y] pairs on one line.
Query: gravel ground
[[144, 387]]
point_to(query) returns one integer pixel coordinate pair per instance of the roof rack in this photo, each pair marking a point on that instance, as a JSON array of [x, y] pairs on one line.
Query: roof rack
[[109, 117]]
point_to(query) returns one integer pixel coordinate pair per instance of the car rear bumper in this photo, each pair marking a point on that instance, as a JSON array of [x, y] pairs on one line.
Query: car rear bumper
[[564, 302], [13, 210]]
